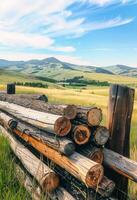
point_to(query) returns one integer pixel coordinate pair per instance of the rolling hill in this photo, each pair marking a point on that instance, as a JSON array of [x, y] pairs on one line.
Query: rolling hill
[[53, 68]]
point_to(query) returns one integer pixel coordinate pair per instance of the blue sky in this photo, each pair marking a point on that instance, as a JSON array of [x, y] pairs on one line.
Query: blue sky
[[90, 32]]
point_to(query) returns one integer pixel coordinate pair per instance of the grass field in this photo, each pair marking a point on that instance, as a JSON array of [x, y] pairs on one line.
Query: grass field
[[90, 96]]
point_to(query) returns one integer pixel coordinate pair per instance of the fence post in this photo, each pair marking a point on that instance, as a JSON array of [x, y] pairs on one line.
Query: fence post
[[121, 100], [11, 88]]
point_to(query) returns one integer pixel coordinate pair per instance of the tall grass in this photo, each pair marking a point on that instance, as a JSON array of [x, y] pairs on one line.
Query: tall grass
[[10, 188]]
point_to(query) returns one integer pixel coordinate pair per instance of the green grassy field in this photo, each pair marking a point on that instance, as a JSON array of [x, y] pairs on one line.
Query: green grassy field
[[10, 188], [90, 96]]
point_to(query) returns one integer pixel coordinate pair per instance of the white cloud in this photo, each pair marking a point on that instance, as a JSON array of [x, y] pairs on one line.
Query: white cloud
[[29, 56], [37, 24]]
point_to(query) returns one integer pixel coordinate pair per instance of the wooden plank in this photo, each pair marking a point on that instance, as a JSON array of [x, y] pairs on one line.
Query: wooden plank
[[122, 165], [121, 99]]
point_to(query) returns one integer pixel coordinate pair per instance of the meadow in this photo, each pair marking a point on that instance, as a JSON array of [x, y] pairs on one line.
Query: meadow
[[88, 96]]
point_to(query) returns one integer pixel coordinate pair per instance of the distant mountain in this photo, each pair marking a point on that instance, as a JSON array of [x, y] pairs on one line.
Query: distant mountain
[[54, 68], [122, 70]]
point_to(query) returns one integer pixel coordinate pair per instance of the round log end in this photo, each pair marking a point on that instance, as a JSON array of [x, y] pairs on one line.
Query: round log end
[[43, 97], [106, 187], [69, 149], [94, 176], [70, 111], [97, 156], [51, 182], [62, 126], [12, 123], [101, 135], [94, 116], [81, 134]]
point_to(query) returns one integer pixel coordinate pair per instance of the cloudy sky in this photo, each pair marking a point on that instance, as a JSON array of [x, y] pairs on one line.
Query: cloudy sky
[[93, 32]]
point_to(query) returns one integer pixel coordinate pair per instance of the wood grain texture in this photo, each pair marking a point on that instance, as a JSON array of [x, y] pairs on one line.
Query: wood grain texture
[[93, 153], [61, 144], [7, 121], [23, 97], [42, 173], [79, 166], [122, 165], [36, 192], [121, 100], [81, 134], [51, 123]]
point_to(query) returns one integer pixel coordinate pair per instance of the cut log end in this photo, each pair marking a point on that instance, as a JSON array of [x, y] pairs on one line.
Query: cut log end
[[97, 156], [106, 187], [70, 112], [94, 176], [62, 126], [94, 116], [12, 123], [51, 182], [81, 134], [101, 135], [69, 149]]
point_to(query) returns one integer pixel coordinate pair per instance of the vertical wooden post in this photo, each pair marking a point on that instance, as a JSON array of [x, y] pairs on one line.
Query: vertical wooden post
[[121, 100], [11, 88]]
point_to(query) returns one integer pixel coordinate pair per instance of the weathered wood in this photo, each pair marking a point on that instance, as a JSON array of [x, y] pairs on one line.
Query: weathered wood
[[11, 88], [92, 152], [62, 126], [27, 182], [81, 134], [106, 187], [36, 192], [100, 135], [63, 145], [23, 97], [82, 114], [38, 105], [46, 121], [42, 173], [61, 194], [103, 189], [7, 121], [79, 166], [122, 165], [121, 99], [87, 115]]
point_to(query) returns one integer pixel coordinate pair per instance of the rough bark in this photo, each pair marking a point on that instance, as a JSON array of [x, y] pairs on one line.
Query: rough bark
[[63, 145], [23, 97], [42, 173], [121, 99], [90, 115], [32, 103], [27, 182], [46, 121], [93, 153], [7, 121], [79, 166], [122, 165], [36, 192]]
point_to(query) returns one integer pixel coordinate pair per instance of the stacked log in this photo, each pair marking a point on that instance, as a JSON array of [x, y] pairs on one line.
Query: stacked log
[[46, 177], [70, 138]]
